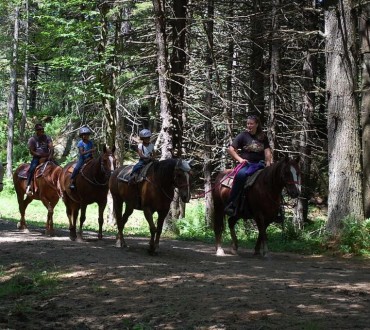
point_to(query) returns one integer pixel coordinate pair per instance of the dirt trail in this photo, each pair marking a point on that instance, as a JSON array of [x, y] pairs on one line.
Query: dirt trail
[[185, 287]]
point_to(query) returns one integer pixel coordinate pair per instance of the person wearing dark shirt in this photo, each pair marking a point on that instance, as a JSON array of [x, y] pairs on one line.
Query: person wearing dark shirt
[[40, 146], [251, 149]]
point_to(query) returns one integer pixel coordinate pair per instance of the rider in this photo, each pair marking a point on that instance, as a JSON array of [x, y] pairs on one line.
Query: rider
[[40, 146], [85, 149], [145, 150], [251, 149]]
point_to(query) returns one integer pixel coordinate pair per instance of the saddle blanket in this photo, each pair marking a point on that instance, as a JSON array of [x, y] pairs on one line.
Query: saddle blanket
[[125, 173], [228, 182]]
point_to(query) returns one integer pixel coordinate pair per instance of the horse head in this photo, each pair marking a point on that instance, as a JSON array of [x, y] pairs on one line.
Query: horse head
[[182, 179], [108, 161], [291, 176], [2, 171]]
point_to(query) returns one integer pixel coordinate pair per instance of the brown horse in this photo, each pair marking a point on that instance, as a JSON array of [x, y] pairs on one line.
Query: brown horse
[[153, 194], [45, 182], [2, 171], [262, 199], [91, 187]]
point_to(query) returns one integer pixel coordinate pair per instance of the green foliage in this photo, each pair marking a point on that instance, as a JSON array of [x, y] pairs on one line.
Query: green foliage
[[355, 237]]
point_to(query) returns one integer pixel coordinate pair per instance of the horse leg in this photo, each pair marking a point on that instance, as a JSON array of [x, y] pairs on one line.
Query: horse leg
[[101, 219], [232, 221], [161, 216], [149, 217], [262, 238], [49, 230], [72, 214], [23, 203], [218, 228], [82, 220], [121, 220]]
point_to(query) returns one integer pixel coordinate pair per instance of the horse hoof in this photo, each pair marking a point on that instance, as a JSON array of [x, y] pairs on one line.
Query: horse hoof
[[100, 237], [220, 253], [234, 252], [152, 252], [50, 233]]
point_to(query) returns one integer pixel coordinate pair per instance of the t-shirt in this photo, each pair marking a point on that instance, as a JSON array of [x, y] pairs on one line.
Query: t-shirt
[[249, 147], [146, 150], [40, 143], [85, 146]]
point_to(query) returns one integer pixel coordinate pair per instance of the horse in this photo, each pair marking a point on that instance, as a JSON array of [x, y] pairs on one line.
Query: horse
[[91, 187], [262, 199], [153, 194], [45, 188], [2, 172]]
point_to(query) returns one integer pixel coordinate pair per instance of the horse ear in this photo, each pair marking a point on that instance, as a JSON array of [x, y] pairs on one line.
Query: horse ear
[[191, 162], [104, 148], [297, 159], [113, 149]]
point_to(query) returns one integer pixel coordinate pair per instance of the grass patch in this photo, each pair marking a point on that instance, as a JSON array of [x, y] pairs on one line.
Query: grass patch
[[312, 239]]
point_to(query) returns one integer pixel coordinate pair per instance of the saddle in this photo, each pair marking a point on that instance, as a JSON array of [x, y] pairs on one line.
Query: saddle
[[242, 209], [125, 173], [38, 171]]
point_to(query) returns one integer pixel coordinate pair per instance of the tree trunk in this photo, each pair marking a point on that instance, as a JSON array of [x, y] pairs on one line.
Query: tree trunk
[[274, 78], [365, 106], [13, 95], [345, 185], [209, 208], [257, 94], [301, 209], [25, 77], [162, 67], [106, 75]]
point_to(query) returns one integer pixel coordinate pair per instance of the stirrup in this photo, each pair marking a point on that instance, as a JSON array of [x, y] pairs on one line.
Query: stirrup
[[230, 209], [29, 191]]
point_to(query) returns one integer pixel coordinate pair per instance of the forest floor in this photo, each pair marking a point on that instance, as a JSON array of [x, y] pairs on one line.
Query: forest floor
[[186, 286]]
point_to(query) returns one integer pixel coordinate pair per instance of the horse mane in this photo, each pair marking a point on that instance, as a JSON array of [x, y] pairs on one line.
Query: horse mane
[[162, 170], [271, 175]]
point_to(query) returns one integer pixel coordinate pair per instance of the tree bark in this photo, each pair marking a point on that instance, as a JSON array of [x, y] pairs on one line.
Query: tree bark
[[345, 185], [274, 78], [162, 69], [257, 94], [365, 105], [13, 95], [209, 208]]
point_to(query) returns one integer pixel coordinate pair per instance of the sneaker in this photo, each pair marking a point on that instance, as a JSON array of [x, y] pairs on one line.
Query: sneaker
[[230, 209], [29, 191]]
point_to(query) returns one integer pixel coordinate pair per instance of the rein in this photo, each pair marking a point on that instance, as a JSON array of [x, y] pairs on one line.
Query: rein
[[94, 182], [159, 188]]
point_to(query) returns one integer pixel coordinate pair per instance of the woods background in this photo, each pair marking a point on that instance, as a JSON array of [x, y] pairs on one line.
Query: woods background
[[191, 71]]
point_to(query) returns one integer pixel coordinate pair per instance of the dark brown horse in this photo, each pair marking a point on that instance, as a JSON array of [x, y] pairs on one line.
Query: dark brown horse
[[153, 194], [2, 171], [263, 200], [45, 188], [91, 187]]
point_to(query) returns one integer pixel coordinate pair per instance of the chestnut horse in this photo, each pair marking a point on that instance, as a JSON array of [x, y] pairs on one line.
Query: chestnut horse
[[91, 187], [153, 194], [262, 199], [45, 188]]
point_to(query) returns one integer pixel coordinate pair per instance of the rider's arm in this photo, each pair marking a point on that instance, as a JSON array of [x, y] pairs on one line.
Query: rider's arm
[[233, 153]]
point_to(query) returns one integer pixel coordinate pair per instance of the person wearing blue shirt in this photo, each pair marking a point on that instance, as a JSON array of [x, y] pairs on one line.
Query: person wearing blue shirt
[[85, 149]]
